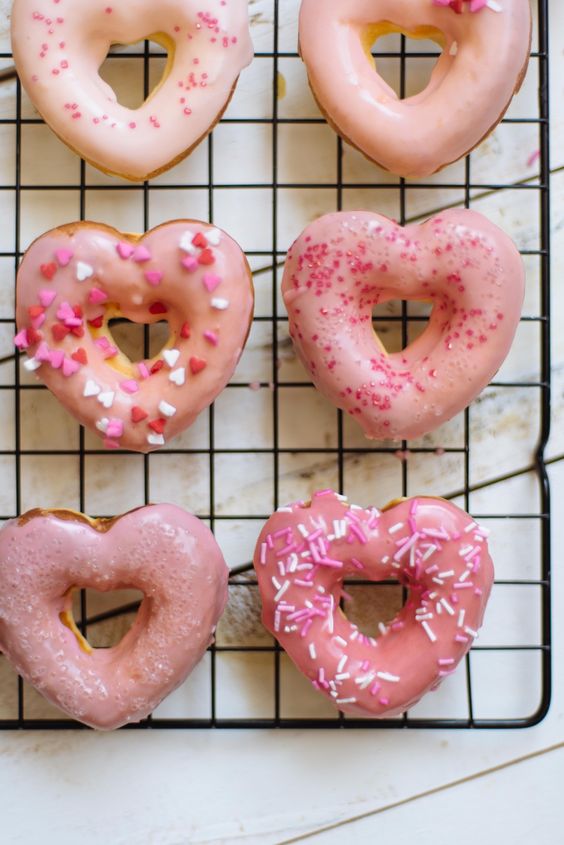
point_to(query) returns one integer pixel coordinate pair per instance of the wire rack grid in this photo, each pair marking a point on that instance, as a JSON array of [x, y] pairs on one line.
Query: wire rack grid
[[268, 263]]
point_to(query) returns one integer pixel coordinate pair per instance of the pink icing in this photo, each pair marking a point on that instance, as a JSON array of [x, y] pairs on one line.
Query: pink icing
[[103, 280], [161, 550], [58, 50], [432, 547], [345, 264], [481, 66]]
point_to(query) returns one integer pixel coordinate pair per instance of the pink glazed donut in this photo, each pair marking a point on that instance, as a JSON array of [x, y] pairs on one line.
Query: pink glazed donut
[[345, 264], [485, 48], [437, 551], [59, 46], [75, 279], [168, 554]]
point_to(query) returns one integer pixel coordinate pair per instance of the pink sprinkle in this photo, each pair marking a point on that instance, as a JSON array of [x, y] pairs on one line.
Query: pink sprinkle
[[110, 444], [70, 367], [42, 354], [211, 281], [130, 386], [47, 297], [144, 371], [64, 256], [384, 701], [154, 277], [21, 340], [375, 688], [141, 254], [190, 263], [533, 158], [97, 296], [56, 357], [211, 337], [125, 250], [115, 429]]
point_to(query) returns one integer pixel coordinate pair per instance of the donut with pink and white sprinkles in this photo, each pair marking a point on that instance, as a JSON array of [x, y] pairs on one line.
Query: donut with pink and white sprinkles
[[433, 548], [75, 279]]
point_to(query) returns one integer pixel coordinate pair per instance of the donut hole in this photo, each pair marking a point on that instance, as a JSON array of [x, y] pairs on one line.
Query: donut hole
[[124, 71], [109, 616], [410, 76], [398, 323], [368, 606], [138, 341]]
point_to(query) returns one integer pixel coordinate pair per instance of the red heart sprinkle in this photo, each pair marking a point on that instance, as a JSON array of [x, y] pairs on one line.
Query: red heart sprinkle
[[158, 426], [158, 308], [206, 257], [77, 331], [48, 270], [197, 365], [59, 332], [200, 240], [33, 336], [77, 311], [138, 414], [97, 322], [157, 367], [35, 311], [80, 356], [185, 331]]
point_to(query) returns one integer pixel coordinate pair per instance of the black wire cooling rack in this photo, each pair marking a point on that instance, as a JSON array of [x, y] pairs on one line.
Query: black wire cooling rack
[[241, 577]]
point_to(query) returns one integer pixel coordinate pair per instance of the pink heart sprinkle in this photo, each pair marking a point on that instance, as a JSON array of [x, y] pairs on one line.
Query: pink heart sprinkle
[[102, 343], [141, 254], [143, 370], [110, 352], [154, 277], [115, 429], [110, 444], [130, 386], [125, 250], [20, 340], [190, 263], [38, 322], [70, 367], [47, 297], [211, 281], [64, 256], [97, 296], [56, 357], [211, 337], [42, 353], [65, 312]]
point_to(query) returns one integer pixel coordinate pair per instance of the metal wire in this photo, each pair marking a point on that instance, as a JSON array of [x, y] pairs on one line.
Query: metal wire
[[241, 576]]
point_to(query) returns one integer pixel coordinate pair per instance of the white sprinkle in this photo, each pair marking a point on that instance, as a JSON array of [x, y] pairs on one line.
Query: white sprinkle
[[91, 389], [281, 568], [494, 6], [365, 681], [213, 236], [166, 409], [281, 591], [430, 551], [186, 244], [276, 583], [438, 608], [342, 663], [156, 440], [346, 700], [385, 560], [382, 628], [448, 574], [354, 635], [106, 399], [284, 510], [464, 575], [303, 530], [470, 527], [342, 676], [341, 641], [171, 356], [102, 425], [470, 631], [461, 616], [397, 527], [429, 631], [312, 651], [220, 304], [32, 364], [387, 676], [447, 607], [263, 550], [293, 562], [438, 581], [178, 377], [406, 546], [463, 552], [453, 48], [425, 616], [277, 618], [83, 271]]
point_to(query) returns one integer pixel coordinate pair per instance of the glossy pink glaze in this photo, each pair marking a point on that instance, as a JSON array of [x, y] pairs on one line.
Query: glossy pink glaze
[[187, 272], [345, 264], [59, 46], [163, 551], [432, 547], [484, 57]]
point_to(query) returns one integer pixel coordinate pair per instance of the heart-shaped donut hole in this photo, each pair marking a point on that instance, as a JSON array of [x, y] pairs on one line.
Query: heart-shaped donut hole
[[139, 341], [100, 620], [134, 81], [398, 323], [407, 77], [375, 609]]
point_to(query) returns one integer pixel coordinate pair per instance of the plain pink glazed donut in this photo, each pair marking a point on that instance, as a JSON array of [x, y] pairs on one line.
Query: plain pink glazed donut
[[59, 46], [75, 279], [345, 264], [437, 551], [485, 50], [168, 554]]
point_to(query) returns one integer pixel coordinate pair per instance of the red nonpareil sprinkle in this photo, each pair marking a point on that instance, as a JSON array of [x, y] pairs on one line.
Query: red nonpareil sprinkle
[[97, 322], [206, 258], [200, 240], [138, 414], [59, 332], [197, 365], [48, 270], [158, 426], [157, 367], [158, 308], [80, 356], [185, 331]]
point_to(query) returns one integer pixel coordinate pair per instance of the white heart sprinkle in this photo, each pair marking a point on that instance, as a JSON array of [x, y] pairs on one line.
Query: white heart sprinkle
[[167, 410], [171, 356], [178, 376], [102, 425], [83, 271], [107, 399], [31, 365], [156, 440], [220, 304], [186, 244], [213, 237], [91, 389]]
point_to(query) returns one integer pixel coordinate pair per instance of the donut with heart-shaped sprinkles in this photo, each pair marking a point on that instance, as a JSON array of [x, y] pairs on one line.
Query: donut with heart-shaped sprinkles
[[434, 549], [75, 279]]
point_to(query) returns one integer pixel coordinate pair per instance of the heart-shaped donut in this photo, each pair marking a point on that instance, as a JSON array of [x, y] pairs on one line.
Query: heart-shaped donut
[[168, 554], [75, 279], [345, 264], [437, 551], [59, 46]]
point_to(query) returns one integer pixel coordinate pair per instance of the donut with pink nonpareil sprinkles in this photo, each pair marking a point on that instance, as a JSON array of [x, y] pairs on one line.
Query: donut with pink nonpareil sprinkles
[[345, 264], [60, 45], [75, 279], [307, 550]]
